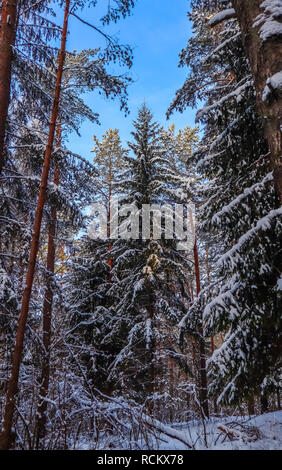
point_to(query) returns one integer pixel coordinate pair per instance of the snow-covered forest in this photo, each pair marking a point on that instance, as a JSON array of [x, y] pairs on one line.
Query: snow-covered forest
[[126, 341]]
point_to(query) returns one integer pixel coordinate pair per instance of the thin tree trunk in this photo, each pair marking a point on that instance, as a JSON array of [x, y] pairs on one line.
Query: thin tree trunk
[[212, 338], [17, 355], [251, 405], [62, 256], [190, 290], [203, 371], [264, 403], [208, 279], [47, 316], [208, 265], [171, 382], [8, 28], [201, 344], [265, 56], [171, 375]]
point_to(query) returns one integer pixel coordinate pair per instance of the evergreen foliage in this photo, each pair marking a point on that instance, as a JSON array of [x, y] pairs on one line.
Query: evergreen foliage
[[145, 296], [239, 207]]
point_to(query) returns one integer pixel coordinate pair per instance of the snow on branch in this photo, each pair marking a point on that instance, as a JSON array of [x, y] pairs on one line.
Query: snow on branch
[[235, 94], [167, 430], [263, 224], [268, 22], [222, 16], [238, 200]]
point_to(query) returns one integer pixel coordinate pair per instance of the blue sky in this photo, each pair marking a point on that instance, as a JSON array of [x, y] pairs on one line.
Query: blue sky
[[157, 30]]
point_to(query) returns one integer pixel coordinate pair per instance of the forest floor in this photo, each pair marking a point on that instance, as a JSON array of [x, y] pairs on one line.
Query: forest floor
[[262, 432]]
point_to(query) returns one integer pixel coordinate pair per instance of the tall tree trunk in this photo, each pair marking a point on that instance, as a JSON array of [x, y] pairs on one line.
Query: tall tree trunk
[[17, 355], [208, 265], [171, 383], [47, 316], [151, 353], [209, 279], [7, 41], [203, 370], [265, 56], [212, 338]]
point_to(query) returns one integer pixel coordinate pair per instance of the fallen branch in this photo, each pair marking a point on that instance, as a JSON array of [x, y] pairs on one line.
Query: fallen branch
[[246, 434], [230, 433], [167, 430]]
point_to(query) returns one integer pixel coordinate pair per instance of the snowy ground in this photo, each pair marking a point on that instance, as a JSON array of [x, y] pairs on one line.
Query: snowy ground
[[257, 433], [262, 432]]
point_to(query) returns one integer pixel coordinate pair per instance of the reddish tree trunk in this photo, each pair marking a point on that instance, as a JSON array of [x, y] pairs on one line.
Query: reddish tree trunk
[[203, 371], [47, 316], [7, 41], [208, 265], [265, 56], [17, 355], [209, 279]]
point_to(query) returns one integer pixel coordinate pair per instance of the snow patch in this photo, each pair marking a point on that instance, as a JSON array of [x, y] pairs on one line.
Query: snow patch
[[268, 426], [273, 83]]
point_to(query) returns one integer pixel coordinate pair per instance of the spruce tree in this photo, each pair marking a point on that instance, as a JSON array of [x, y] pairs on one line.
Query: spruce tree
[[239, 207], [148, 275], [125, 324]]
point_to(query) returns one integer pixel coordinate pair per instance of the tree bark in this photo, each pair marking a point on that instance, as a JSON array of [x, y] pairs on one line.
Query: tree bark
[[47, 316], [265, 57], [251, 405], [8, 28], [17, 355]]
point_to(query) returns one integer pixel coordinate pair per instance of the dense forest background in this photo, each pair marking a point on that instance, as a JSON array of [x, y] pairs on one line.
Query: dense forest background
[[112, 343]]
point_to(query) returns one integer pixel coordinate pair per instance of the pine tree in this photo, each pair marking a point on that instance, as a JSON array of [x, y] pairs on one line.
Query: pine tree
[[109, 157]]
